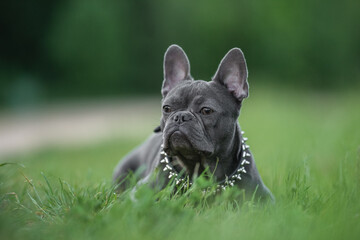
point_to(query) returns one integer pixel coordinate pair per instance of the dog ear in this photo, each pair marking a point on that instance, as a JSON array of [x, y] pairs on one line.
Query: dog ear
[[176, 68], [232, 73]]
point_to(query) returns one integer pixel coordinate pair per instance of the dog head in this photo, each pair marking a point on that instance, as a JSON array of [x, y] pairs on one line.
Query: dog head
[[199, 118]]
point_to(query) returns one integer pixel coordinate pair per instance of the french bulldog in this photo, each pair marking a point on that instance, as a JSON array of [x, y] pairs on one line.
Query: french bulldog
[[198, 130]]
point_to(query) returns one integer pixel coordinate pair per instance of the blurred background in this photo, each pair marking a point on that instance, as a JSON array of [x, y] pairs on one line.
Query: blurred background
[[71, 71], [80, 87]]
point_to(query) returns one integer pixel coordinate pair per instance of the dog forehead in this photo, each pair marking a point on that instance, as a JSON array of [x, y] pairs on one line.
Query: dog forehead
[[188, 91], [200, 91]]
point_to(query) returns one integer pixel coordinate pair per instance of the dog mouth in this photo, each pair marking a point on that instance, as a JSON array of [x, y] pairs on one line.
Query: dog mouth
[[179, 143]]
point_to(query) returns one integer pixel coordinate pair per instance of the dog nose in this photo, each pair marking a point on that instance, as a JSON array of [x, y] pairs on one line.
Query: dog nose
[[183, 116]]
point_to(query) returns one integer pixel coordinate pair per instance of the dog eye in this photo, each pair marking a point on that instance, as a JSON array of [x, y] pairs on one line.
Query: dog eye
[[206, 111], [166, 109]]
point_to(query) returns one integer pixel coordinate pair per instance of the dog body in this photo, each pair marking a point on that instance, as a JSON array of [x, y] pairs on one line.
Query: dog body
[[199, 128]]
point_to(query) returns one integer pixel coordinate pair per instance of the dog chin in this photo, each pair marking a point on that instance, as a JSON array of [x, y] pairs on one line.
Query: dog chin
[[178, 144]]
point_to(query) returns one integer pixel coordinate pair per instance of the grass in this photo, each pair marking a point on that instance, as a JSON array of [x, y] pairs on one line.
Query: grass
[[306, 146]]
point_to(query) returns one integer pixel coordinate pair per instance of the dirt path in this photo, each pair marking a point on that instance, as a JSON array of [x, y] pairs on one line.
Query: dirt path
[[73, 124]]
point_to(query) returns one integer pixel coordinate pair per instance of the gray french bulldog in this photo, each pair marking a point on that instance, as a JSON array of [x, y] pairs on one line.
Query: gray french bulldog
[[199, 130]]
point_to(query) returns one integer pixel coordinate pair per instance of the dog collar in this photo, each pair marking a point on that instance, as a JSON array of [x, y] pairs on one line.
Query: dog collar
[[229, 181]]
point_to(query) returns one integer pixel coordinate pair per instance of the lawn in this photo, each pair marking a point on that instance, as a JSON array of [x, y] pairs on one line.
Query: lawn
[[306, 146]]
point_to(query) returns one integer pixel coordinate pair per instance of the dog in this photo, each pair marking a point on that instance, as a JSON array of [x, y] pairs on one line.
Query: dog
[[198, 130]]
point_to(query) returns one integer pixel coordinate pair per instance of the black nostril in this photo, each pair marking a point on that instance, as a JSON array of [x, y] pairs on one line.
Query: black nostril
[[182, 117], [186, 117]]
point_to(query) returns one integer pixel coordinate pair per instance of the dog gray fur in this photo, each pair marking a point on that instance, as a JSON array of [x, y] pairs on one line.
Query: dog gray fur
[[199, 126]]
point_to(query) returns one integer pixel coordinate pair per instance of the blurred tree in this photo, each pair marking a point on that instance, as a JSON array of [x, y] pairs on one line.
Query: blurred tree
[[24, 59], [109, 47], [87, 46]]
